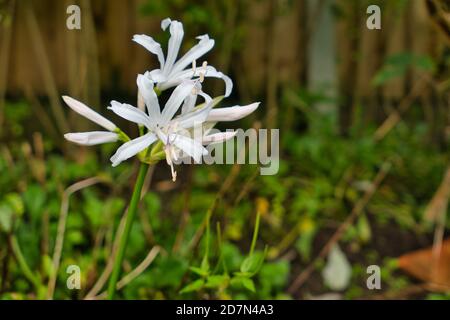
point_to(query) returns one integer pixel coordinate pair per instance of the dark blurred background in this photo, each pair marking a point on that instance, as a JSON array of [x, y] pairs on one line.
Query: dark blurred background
[[270, 48]]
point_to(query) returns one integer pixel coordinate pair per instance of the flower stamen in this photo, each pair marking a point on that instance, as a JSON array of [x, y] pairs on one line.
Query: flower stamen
[[203, 74]]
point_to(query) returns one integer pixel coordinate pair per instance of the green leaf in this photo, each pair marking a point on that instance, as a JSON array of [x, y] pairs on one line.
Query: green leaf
[[198, 271], [75, 237], [205, 264], [275, 274], [194, 286], [34, 198], [94, 209], [241, 281], [47, 265], [397, 65], [6, 217], [15, 202], [168, 272], [217, 281], [248, 284], [252, 263], [386, 74], [364, 229], [204, 268], [304, 243], [153, 205]]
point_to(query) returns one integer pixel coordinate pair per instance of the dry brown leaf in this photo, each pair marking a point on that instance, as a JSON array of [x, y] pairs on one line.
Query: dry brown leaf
[[421, 265]]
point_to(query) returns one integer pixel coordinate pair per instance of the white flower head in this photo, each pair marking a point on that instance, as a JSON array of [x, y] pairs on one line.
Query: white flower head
[[171, 72], [175, 132], [163, 125]]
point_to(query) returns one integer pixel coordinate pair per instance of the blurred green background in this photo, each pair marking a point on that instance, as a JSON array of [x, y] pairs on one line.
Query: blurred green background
[[364, 119]]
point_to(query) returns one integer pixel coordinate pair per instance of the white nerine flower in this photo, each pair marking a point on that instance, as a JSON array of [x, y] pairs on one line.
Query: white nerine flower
[[175, 133], [162, 126], [93, 137], [171, 73]]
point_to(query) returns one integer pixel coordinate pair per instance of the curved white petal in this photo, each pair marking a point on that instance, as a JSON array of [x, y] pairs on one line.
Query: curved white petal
[[145, 86], [209, 71], [91, 138], [207, 98], [156, 76], [162, 136], [140, 101], [165, 23], [130, 113], [205, 44], [231, 113], [189, 103], [191, 147], [191, 99], [178, 95], [194, 117], [218, 137], [176, 36], [151, 45], [133, 147], [175, 79], [88, 113]]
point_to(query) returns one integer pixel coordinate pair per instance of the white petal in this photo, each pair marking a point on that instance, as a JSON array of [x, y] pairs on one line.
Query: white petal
[[176, 36], [151, 45], [91, 138], [209, 72], [88, 113], [130, 113], [231, 113], [207, 98], [165, 23], [145, 86], [162, 136], [191, 147], [178, 95], [131, 148], [156, 76], [189, 103], [191, 99], [195, 117], [218, 137], [177, 79], [140, 101], [205, 44]]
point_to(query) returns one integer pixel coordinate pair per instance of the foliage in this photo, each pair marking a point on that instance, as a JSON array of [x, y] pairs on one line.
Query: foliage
[[294, 207]]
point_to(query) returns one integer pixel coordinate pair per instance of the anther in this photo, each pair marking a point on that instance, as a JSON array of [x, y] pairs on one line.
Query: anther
[[194, 66], [202, 74]]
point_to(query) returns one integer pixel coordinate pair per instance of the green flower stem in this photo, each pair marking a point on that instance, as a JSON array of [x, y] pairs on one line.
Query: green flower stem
[[23, 265], [122, 135], [255, 233], [132, 209]]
